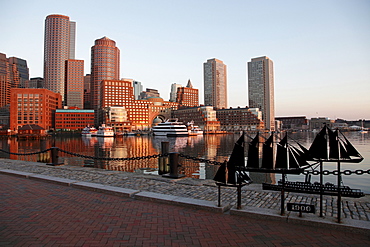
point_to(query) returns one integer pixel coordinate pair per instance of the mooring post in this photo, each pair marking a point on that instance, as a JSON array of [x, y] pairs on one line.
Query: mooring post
[[174, 166], [54, 157], [163, 161]]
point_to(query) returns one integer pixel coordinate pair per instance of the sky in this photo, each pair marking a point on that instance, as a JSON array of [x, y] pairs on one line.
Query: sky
[[320, 48]]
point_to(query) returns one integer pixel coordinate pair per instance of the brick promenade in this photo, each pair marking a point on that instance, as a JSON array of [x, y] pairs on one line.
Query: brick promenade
[[35, 213]]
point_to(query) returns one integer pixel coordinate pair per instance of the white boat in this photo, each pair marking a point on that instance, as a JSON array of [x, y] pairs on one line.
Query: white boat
[[89, 131], [105, 131], [170, 128], [194, 130]]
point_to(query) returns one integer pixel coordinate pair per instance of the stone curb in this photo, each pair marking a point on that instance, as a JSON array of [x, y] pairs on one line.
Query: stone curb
[[355, 226]]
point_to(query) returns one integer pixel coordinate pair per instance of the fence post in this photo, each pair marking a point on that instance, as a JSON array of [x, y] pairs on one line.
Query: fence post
[[54, 157]]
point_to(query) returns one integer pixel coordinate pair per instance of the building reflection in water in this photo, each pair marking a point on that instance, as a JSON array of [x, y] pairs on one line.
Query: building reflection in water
[[210, 147]]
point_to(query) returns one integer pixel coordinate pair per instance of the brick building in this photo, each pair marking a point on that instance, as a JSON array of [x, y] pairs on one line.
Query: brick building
[[238, 119], [33, 106], [73, 119], [187, 96]]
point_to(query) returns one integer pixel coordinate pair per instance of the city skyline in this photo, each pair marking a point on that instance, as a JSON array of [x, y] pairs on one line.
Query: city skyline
[[320, 48]]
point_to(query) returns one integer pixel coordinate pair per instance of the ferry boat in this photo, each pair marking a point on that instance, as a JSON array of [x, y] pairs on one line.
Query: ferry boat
[[194, 130], [170, 128], [89, 131], [105, 131]]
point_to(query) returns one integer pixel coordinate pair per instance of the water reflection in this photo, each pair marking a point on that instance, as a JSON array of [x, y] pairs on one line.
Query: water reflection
[[211, 147]]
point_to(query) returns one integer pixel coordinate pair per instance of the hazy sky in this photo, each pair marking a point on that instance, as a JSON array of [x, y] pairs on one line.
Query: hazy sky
[[320, 48]]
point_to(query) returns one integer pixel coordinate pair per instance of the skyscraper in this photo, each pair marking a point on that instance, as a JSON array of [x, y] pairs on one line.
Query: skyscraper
[[74, 83], [59, 46], [215, 83], [105, 65], [173, 93], [261, 89]]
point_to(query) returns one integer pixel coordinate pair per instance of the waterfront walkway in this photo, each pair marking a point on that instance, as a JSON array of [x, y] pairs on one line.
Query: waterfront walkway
[[117, 208]]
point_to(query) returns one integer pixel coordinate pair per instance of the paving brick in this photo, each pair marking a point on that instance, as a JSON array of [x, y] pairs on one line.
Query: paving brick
[[35, 213]]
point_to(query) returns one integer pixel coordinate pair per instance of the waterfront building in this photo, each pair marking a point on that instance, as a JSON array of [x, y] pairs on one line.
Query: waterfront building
[[261, 89], [138, 88], [59, 46], [173, 93], [140, 113], [73, 119], [202, 116], [87, 92], [74, 83], [105, 65], [239, 119], [187, 96], [36, 82], [215, 83], [33, 106], [293, 123], [319, 122]]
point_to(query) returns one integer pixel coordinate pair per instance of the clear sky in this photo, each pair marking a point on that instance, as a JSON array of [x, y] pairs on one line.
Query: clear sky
[[320, 48]]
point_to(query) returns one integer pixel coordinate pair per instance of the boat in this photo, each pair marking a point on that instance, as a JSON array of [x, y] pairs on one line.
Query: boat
[[194, 130], [172, 127], [105, 131], [287, 159], [328, 146], [89, 131]]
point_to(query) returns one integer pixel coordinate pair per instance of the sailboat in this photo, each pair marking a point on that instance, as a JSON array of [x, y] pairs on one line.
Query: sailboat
[[328, 146], [287, 160], [233, 172]]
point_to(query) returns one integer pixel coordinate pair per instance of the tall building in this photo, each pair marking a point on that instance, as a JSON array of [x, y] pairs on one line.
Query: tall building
[[138, 88], [105, 57], [19, 73], [74, 83], [187, 96], [215, 83], [59, 46], [36, 82], [261, 89], [87, 91], [4, 81], [173, 93]]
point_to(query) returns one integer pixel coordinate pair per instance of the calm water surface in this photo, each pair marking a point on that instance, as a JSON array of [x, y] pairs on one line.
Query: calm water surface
[[210, 147]]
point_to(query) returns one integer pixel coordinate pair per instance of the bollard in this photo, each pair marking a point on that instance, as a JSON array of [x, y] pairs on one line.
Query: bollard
[[174, 167], [163, 161], [54, 157]]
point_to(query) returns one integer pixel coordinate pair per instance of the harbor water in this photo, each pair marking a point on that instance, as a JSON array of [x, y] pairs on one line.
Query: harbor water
[[209, 147]]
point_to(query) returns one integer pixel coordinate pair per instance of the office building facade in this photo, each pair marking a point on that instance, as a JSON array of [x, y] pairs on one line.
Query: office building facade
[[105, 65], [215, 83], [74, 83], [59, 46], [187, 96], [261, 89]]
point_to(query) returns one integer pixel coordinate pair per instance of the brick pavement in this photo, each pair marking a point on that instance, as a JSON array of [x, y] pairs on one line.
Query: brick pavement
[[34, 213]]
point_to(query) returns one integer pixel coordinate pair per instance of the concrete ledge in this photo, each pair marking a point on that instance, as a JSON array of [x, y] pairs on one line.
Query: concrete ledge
[[16, 173], [105, 189], [56, 180], [184, 201], [355, 226], [259, 213]]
